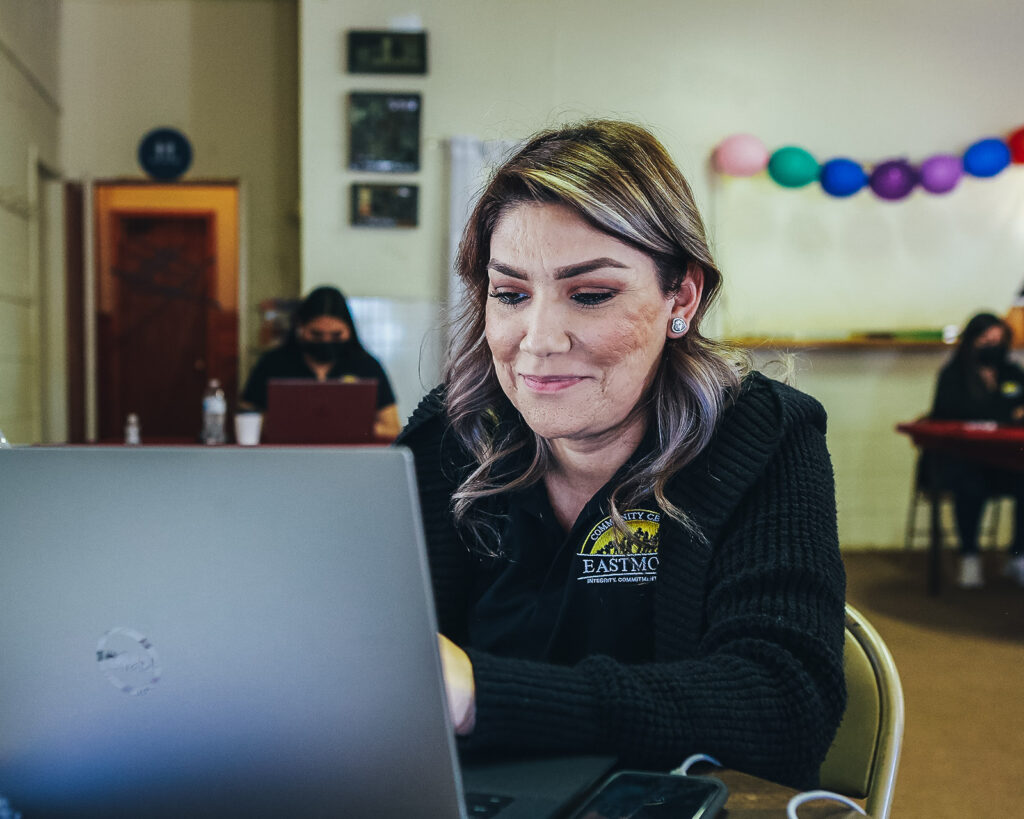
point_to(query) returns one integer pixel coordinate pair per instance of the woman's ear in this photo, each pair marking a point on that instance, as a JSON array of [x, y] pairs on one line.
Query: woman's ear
[[687, 299]]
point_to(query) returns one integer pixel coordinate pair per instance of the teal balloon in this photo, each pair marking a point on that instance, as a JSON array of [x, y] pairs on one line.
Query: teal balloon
[[793, 167]]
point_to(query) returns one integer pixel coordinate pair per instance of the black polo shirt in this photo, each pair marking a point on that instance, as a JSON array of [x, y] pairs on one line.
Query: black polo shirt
[[560, 597], [288, 361], [959, 396]]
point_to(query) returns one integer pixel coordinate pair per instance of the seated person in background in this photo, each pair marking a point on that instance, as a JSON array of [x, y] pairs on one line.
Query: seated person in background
[[323, 345], [981, 383], [632, 539]]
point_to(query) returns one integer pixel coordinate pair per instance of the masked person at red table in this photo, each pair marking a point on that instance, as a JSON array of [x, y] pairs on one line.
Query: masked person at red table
[[981, 383]]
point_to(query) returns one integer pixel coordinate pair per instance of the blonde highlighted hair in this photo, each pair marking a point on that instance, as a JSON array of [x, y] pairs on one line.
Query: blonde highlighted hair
[[621, 180]]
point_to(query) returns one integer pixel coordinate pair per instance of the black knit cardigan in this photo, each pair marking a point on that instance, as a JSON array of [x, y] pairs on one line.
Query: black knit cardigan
[[748, 623]]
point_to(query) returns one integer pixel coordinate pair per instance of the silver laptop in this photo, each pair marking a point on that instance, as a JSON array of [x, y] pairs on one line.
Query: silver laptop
[[220, 633]]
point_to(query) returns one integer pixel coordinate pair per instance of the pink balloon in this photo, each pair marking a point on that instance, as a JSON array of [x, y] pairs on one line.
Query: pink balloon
[[740, 155]]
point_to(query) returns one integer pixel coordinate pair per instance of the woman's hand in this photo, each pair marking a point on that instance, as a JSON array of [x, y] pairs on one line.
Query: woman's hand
[[387, 424], [459, 685]]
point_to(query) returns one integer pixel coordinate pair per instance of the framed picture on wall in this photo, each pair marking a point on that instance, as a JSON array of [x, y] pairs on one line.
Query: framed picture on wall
[[387, 206], [387, 52], [384, 132]]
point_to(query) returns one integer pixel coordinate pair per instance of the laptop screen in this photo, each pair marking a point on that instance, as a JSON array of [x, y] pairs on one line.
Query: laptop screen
[[300, 411], [218, 632]]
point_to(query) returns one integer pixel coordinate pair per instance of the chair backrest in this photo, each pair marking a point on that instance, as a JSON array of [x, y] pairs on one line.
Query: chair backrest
[[864, 756]]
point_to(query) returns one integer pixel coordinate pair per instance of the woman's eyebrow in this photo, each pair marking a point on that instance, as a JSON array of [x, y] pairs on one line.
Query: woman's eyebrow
[[566, 272], [571, 270], [505, 269]]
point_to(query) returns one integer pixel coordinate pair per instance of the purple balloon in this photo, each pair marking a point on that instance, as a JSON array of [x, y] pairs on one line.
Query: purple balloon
[[893, 179], [941, 173]]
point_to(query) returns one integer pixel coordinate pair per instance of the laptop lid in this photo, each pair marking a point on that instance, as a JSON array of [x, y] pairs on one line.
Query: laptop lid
[[218, 632], [301, 411]]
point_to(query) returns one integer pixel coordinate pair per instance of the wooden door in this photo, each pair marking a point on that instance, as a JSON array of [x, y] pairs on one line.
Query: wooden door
[[162, 328], [154, 350]]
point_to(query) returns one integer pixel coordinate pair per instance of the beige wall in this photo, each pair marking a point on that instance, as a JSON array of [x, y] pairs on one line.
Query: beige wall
[[869, 79], [225, 73], [858, 77], [864, 78], [28, 141]]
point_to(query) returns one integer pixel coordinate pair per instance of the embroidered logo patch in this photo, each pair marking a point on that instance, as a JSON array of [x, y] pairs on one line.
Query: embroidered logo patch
[[606, 556]]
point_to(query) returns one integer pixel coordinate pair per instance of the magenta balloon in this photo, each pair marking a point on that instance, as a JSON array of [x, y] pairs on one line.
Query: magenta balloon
[[740, 155], [893, 179], [941, 173]]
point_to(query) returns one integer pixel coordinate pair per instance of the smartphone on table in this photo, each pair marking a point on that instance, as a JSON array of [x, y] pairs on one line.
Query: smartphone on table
[[643, 795]]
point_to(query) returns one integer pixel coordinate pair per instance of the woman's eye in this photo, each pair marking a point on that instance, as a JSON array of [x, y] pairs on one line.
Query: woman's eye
[[590, 299], [509, 297]]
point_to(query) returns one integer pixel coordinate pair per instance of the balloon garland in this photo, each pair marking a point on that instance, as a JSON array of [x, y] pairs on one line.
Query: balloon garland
[[892, 180]]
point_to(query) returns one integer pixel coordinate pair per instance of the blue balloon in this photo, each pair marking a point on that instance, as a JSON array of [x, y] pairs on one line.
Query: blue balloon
[[842, 177], [986, 157]]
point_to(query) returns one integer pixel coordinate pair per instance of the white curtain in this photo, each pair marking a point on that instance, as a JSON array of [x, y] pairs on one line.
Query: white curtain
[[470, 162]]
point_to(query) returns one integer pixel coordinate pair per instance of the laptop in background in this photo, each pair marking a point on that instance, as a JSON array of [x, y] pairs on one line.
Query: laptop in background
[[220, 632], [301, 411]]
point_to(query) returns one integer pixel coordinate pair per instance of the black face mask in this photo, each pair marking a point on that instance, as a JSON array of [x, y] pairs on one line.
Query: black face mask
[[991, 356], [325, 352]]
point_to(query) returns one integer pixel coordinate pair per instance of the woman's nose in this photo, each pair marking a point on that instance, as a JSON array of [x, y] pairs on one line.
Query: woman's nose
[[546, 331]]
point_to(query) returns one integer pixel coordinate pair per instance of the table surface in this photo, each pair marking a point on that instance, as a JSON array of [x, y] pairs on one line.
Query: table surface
[[168, 441], [986, 442], [751, 797], [962, 430]]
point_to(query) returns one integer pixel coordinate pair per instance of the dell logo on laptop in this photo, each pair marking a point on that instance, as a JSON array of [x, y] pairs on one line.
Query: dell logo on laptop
[[128, 661]]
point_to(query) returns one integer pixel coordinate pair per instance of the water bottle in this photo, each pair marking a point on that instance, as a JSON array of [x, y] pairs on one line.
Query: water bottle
[[215, 408], [132, 430]]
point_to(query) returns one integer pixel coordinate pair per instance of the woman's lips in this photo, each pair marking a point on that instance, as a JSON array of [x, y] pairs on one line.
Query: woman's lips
[[549, 383]]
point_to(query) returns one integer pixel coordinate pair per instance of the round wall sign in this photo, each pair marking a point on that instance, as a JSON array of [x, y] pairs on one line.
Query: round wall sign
[[165, 153]]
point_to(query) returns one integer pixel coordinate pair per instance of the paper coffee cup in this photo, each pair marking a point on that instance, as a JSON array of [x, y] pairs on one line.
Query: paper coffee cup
[[247, 428]]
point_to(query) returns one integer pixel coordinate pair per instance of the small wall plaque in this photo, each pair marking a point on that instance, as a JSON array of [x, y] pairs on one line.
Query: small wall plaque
[[387, 52], [384, 132], [385, 205]]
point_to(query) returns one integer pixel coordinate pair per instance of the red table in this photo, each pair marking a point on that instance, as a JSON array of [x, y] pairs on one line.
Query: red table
[[195, 442], [981, 441]]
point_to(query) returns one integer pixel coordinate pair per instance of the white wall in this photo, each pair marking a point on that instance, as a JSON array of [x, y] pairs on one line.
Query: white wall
[[29, 118], [226, 74], [864, 78]]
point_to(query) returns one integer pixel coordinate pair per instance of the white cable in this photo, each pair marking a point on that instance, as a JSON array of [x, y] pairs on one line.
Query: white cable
[[810, 796], [692, 760], [794, 803]]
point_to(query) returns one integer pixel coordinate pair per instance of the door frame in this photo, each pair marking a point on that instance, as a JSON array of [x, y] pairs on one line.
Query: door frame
[[112, 199]]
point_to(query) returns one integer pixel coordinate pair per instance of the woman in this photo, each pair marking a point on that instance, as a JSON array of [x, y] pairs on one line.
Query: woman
[[980, 383], [323, 345], [633, 548]]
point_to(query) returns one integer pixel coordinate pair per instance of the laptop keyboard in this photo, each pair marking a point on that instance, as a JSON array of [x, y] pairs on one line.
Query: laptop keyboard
[[485, 804]]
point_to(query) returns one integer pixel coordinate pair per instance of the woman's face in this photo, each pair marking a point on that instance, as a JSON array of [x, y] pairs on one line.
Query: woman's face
[[325, 329], [576, 321], [994, 336]]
